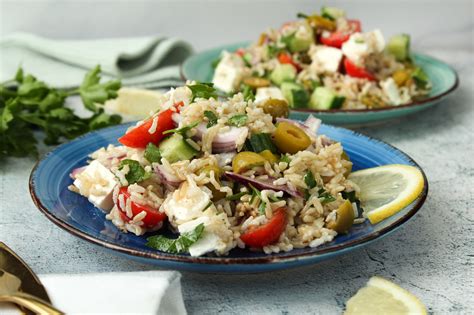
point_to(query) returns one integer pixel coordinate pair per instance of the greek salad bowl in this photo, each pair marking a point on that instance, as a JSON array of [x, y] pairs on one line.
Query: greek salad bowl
[[327, 65]]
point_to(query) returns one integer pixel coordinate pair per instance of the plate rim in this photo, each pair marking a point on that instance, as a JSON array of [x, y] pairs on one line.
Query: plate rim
[[421, 102], [271, 260]]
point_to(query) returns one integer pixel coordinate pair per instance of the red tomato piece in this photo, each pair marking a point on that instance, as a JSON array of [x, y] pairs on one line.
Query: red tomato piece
[[240, 52], [139, 136], [285, 58], [153, 216], [357, 72], [336, 39], [268, 233]]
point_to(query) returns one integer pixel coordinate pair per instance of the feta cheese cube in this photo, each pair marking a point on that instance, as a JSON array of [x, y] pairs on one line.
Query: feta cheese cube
[[229, 72], [326, 59], [360, 45], [265, 93], [97, 183], [390, 88], [186, 203], [208, 242]]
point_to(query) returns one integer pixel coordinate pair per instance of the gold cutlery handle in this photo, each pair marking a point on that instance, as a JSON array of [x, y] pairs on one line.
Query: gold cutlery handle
[[31, 303]]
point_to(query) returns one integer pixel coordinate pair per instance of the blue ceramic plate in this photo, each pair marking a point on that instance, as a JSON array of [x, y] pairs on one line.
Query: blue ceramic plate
[[444, 80], [50, 178]]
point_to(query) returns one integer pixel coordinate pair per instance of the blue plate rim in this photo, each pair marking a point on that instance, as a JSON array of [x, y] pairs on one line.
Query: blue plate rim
[[313, 253], [421, 102]]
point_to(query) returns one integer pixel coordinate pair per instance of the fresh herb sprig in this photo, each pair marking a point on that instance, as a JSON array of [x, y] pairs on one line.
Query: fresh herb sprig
[[28, 104], [178, 245], [202, 90]]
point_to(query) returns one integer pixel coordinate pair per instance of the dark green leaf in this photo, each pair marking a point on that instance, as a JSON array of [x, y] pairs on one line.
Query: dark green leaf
[[301, 15], [136, 172], [202, 90], [247, 92], [238, 120], [152, 153], [92, 92], [236, 196], [178, 245], [102, 120], [183, 130], [325, 196], [309, 179], [211, 117]]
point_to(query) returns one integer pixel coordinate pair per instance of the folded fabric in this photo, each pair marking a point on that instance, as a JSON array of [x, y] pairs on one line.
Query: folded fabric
[[151, 61], [147, 292]]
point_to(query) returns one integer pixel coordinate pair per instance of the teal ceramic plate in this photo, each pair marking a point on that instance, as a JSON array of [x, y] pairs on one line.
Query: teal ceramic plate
[[443, 77]]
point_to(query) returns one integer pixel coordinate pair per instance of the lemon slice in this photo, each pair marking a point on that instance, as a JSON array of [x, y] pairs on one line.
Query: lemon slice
[[381, 296], [385, 190]]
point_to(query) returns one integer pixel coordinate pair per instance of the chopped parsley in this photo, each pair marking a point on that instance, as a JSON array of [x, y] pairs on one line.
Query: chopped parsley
[[236, 196], [183, 130], [247, 92], [309, 180], [178, 245], [211, 117], [152, 153], [238, 120], [136, 172], [202, 90], [285, 159], [325, 196]]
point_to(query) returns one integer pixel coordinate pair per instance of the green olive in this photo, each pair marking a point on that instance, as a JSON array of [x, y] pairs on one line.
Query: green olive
[[289, 138], [269, 156], [207, 170], [245, 160], [317, 21], [256, 83], [276, 108], [344, 218]]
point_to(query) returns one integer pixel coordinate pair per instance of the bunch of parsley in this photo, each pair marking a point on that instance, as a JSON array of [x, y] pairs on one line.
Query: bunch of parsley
[[28, 104]]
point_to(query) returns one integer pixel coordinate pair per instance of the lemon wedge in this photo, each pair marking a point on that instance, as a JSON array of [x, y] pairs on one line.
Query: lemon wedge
[[381, 296], [385, 190]]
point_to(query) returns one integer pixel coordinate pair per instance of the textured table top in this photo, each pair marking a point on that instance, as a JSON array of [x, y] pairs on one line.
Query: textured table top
[[431, 256]]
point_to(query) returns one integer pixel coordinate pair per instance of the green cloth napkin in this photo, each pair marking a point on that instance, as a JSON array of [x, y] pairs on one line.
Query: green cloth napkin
[[151, 62]]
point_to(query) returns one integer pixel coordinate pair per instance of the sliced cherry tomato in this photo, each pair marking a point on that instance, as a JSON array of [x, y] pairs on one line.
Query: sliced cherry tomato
[[336, 39], [285, 58], [139, 136], [240, 52], [357, 72], [153, 216], [268, 233]]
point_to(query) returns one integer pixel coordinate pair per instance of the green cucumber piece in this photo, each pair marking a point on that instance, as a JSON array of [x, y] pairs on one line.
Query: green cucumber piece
[[420, 77], [295, 94], [332, 13], [300, 44], [399, 46], [282, 73], [176, 148], [324, 98]]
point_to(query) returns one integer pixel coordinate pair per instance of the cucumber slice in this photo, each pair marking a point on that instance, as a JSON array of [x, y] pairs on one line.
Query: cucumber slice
[[399, 46], [282, 73], [298, 43], [175, 148], [420, 77], [332, 13], [295, 94], [324, 98]]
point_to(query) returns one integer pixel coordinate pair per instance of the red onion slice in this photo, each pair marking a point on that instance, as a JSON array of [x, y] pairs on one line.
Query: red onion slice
[[167, 177], [222, 142], [262, 184]]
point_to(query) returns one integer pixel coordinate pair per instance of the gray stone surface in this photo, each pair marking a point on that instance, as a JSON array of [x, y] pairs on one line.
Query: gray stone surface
[[431, 256]]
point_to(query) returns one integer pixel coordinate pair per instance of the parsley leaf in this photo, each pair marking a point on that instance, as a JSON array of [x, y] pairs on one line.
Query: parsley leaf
[[152, 153], [178, 245], [287, 39], [183, 130], [238, 120], [284, 158], [247, 92], [92, 91], [202, 90], [236, 196], [325, 196], [211, 117], [136, 172], [309, 179]]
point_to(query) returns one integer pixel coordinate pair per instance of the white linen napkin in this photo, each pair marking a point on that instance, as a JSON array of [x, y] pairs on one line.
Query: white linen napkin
[[146, 292]]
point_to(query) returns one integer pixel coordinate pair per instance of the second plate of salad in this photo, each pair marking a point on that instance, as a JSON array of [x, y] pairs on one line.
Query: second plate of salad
[[326, 64]]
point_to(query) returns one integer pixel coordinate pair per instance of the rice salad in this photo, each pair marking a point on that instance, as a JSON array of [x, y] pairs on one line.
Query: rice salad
[[324, 62], [222, 173]]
